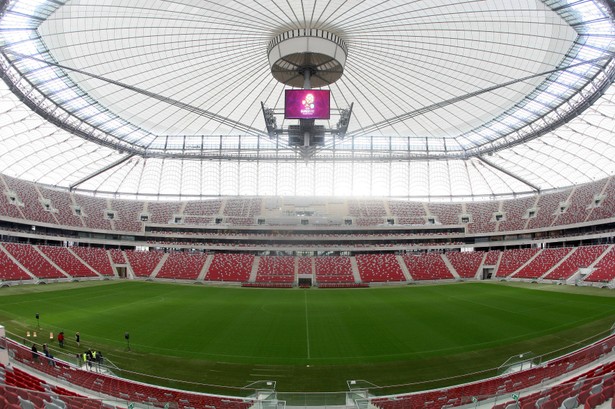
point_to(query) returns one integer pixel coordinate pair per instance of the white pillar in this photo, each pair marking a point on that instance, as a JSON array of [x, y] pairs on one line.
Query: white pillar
[[4, 352]]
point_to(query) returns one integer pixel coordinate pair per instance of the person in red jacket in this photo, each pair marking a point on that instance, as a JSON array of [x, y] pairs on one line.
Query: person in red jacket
[[61, 339]]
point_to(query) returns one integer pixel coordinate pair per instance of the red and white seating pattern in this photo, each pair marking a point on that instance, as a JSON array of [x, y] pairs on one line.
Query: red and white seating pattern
[[182, 266], [446, 213], [117, 256], [162, 212], [67, 261], [408, 212], [514, 210], [95, 257], [548, 209], [143, 263], [492, 258], [466, 263], [512, 260], [333, 269], [542, 263], [379, 268], [304, 265], [230, 267], [582, 257], [31, 259], [61, 201], [123, 389], [128, 213], [33, 208], [9, 271], [580, 201], [482, 216], [605, 269], [276, 269], [427, 266], [606, 210], [93, 210]]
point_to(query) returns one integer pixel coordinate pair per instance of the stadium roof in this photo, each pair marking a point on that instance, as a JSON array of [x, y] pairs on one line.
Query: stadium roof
[[454, 100]]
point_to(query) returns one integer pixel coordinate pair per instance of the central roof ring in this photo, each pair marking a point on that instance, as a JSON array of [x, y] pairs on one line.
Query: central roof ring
[[321, 53]]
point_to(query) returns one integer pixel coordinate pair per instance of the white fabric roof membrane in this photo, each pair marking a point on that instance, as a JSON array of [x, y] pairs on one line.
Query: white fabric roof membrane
[[451, 99]]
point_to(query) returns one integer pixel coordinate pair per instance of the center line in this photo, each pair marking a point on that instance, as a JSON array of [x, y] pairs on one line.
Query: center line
[[307, 327]]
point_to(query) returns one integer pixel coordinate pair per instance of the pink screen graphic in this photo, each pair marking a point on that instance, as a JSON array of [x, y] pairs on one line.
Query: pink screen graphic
[[307, 104]]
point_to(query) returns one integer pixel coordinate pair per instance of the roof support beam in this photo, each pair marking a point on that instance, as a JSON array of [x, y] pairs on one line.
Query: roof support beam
[[509, 173], [100, 171]]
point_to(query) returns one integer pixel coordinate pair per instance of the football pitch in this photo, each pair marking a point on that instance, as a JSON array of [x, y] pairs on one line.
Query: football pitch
[[309, 339]]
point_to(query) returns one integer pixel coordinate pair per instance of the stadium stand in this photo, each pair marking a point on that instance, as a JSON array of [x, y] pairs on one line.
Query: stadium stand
[[579, 203], [124, 389], [605, 269], [32, 260], [163, 212], [93, 211], [582, 257], [182, 266], [514, 210], [547, 209], [492, 258], [465, 263], [407, 212], [512, 260], [304, 265], [446, 213], [276, 269], [333, 269], [9, 271], [62, 203], [242, 211], [606, 207], [33, 208], [230, 268], [507, 384], [127, 216], [379, 268], [143, 263], [427, 266], [483, 219], [96, 258], [542, 263], [67, 261], [117, 256]]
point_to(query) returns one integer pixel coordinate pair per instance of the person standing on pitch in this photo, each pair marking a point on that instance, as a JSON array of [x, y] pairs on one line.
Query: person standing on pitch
[[78, 339], [61, 339]]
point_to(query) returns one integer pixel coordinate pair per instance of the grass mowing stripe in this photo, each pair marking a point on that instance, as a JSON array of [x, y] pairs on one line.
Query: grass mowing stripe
[[384, 335]]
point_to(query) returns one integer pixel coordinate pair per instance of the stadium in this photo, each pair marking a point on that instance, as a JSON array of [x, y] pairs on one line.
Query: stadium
[[374, 204]]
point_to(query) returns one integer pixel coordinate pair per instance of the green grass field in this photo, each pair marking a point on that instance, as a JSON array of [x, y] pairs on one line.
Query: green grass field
[[310, 340]]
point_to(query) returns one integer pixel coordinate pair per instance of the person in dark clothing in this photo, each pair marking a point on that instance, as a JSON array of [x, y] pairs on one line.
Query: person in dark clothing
[[78, 339], [34, 352], [61, 339]]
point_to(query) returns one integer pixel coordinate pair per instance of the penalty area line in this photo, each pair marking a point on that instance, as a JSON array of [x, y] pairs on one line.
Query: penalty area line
[[307, 325]]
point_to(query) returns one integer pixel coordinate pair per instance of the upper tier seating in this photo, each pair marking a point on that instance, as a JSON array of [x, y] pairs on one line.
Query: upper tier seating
[[94, 212], [605, 269], [182, 266], [547, 209], [482, 216], [128, 213], [333, 269], [427, 266], [230, 267], [162, 212], [276, 269], [606, 209], [466, 263], [579, 203], [62, 203], [446, 213], [514, 210], [143, 263], [511, 260], [67, 261], [33, 208], [582, 257], [379, 268], [96, 258], [542, 263], [408, 212], [10, 271], [32, 260]]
